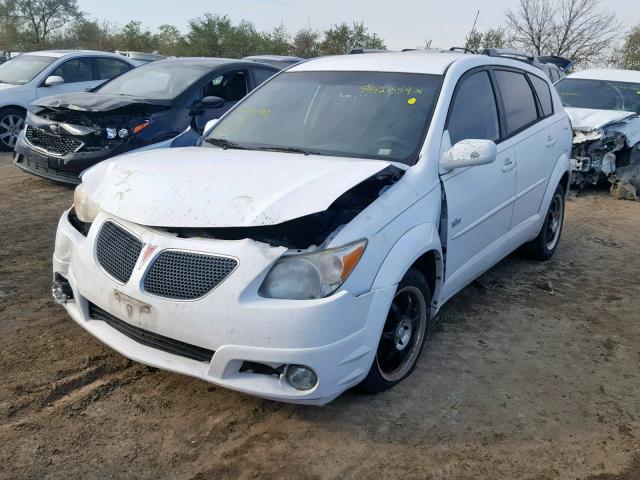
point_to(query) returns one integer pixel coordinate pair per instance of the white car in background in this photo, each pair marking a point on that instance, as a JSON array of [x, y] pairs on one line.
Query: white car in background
[[604, 108], [307, 245], [34, 75]]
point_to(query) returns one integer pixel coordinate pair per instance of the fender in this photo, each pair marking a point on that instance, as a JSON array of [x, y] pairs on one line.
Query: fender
[[404, 253]]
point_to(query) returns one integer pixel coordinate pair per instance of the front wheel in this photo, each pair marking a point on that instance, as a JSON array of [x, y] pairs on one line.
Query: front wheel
[[407, 326], [544, 245], [11, 124]]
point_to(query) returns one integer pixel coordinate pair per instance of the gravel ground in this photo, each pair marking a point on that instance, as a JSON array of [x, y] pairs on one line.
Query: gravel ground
[[531, 374]]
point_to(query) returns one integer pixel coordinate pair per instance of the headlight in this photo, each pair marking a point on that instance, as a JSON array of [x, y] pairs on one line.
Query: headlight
[[86, 209], [312, 275]]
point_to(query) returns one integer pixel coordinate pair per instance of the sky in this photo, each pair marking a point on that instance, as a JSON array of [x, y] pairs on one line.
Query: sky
[[401, 23]]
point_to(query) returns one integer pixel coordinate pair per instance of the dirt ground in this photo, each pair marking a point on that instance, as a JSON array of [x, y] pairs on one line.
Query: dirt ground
[[531, 374]]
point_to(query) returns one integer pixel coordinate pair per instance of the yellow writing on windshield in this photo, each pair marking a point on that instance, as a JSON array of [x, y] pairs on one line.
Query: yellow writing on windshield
[[382, 90]]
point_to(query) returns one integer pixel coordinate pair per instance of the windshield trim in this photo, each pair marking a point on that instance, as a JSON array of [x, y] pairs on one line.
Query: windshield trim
[[409, 161]]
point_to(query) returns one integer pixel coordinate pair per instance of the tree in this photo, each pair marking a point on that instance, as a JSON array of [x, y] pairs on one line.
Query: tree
[[579, 29], [492, 38], [207, 34], [8, 26], [134, 37], [306, 43], [88, 34], [39, 19], [276, 42], [169, 40], [628, 57], [341, 39]]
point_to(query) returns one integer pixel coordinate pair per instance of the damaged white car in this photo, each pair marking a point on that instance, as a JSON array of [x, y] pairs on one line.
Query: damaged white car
[[604, 108], [306, 246]]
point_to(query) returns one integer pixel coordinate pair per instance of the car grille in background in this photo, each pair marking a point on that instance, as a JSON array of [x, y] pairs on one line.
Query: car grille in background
[[186, 276], [151, 339], [117, 251], [51, 143]]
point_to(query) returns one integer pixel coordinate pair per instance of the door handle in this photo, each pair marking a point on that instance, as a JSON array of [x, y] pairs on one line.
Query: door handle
[[508, 164], [550, 141]]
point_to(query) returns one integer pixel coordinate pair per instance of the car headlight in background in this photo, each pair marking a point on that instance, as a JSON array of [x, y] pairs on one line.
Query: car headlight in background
[[86, 209], [312, 275]]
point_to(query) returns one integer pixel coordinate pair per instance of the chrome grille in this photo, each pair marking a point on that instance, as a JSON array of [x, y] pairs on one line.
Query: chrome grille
[[117, 251], [186, 276], [51, 143]]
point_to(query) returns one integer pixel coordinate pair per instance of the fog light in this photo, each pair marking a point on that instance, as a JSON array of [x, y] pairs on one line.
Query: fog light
[[301, 378], [61, 291], [123, 133]]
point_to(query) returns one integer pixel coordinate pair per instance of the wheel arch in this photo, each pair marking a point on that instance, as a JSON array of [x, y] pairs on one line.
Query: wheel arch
[[421, 248], [13, 107]]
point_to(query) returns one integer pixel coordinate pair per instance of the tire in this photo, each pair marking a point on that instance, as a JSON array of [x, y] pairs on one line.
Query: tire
[[544, 245], [407, 326], [11, 123]]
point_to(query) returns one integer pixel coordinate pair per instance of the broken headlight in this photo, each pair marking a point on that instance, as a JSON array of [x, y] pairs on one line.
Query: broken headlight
[[312, 275], [85, 208]]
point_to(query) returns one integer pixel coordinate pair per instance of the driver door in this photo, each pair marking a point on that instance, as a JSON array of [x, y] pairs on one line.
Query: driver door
[[479, 199], [77, 74], [232, 86]]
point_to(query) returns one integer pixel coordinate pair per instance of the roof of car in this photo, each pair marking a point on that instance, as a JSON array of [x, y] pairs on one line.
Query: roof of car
[[275, 58], [418, 61], [62, 53], [207, 61], [608, 74]]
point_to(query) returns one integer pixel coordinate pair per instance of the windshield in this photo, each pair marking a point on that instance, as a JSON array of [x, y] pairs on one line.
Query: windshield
[[22, 69], [157, 80], [376, 115], [599, 94]]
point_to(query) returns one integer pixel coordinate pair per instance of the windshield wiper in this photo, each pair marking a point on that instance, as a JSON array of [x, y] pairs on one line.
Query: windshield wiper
[[282, 149], [225, 144]]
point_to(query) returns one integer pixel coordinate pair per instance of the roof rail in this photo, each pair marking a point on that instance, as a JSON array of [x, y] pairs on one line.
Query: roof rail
[[461, 49], [504, 52]]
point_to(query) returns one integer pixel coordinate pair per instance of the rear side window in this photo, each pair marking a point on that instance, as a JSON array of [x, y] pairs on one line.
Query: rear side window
[[261, 75], [544, 94], [519, 102], [474, 114], [73, 71], [109, 68]]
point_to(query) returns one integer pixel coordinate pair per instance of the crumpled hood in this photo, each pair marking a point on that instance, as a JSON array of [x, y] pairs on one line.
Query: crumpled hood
[[591, 119], [206, 187], [94, 102]]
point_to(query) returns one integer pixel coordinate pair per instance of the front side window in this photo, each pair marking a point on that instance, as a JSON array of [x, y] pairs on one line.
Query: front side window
[[379, 115], [599, 94], [230, 86], [162, 80], [474, 114], [262, 75], [22, 69], [77, 70], [519, 102]]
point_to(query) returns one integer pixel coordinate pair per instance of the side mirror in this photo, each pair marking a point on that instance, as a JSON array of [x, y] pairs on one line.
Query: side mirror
[[212, 102], [53, 80], [210, 124], [469, 153]]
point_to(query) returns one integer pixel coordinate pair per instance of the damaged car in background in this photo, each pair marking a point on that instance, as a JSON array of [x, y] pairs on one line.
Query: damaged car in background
[[306, 246], [66, 134], [604, 108]]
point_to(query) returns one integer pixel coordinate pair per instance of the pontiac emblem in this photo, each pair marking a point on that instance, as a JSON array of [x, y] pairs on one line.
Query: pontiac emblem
[[54, 128], [148, 251]]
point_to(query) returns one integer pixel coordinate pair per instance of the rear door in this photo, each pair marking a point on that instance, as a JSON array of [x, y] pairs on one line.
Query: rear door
[[78, 76], [529, 123], [479, 199]]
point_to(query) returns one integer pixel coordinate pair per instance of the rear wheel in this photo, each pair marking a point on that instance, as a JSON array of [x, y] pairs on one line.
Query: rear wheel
[[11, 124], [405, 330], [545, 244]]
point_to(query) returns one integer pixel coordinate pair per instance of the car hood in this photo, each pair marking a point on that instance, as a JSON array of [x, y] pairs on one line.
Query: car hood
[[8, 87], [95, 102], [592, 119], [205, 187]]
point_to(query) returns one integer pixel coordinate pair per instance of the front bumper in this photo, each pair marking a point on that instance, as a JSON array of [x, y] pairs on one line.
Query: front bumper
[[65, 169], [336, 336]]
